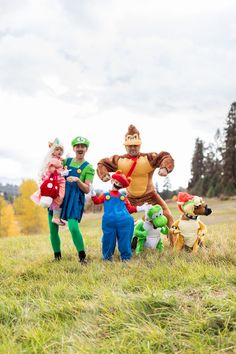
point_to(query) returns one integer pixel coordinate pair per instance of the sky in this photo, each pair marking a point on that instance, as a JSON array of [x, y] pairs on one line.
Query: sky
[[93, 67]]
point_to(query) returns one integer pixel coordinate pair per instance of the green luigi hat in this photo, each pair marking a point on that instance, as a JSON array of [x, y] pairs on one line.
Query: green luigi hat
[[80, 140]]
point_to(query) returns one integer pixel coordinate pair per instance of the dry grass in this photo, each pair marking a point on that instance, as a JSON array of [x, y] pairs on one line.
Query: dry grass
[[166, 303]]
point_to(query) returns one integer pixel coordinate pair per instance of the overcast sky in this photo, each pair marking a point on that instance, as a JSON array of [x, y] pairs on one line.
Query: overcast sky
[[92, 67]]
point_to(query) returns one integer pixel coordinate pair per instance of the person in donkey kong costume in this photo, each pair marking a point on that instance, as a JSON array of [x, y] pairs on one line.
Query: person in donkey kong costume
[[139, 166]]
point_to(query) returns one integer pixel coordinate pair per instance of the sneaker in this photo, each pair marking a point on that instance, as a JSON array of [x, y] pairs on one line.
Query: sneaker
[[82, 258], [58, 221], [57, 256]]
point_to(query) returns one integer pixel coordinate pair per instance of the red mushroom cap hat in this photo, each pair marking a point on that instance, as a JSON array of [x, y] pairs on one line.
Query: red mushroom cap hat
[[120, 177], [186, 202], [183, 198]]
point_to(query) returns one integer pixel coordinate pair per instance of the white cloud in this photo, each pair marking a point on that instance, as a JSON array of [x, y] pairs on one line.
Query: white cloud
[[92, 68]]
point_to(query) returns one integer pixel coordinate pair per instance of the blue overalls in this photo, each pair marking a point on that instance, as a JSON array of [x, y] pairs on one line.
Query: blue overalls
[[73, 203], [118, 224]]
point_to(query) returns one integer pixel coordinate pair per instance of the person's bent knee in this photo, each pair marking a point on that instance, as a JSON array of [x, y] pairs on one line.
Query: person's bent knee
[[74, 227]]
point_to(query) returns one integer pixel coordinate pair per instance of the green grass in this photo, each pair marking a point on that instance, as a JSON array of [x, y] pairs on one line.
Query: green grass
[[170, 303]]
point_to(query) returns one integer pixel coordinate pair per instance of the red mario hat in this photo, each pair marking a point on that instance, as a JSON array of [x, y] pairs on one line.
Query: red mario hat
[[187, 202], [120, 177], [182, 199]]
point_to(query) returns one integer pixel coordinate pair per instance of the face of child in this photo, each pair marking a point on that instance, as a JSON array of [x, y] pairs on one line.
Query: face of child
[[58, 152], [116, 185]]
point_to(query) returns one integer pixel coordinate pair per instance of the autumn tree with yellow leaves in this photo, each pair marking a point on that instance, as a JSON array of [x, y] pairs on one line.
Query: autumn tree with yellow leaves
[[32, 219], [8, 224]]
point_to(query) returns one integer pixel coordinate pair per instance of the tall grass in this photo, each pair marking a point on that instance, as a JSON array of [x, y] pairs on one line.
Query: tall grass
[[170, 303]]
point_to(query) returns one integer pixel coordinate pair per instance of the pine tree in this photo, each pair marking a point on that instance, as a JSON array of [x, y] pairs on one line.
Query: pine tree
[[166, 193], [212, 184], [229, 153], [195, 185]]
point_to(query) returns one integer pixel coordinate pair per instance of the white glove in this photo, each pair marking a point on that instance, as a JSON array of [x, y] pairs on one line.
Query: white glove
[[145, 207], [92, 191], [65, 172]]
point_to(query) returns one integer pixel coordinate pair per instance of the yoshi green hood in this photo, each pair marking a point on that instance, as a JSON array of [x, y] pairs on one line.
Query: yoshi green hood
[[155, 215]]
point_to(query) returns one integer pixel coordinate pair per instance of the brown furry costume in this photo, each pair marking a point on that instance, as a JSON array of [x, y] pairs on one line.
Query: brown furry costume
[[141, 188]]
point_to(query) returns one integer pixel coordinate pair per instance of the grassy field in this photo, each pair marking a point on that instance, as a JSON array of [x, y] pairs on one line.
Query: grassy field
[[170, 303]]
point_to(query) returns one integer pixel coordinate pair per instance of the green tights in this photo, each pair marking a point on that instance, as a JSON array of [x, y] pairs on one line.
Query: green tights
[[74, 230]]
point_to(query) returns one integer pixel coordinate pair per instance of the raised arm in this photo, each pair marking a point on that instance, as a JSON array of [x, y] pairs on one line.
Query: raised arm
[[98, 199], [161, 160], [106, 165]]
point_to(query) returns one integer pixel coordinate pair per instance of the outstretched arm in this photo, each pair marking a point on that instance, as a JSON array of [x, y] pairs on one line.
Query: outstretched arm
[[175, 227], [202, 229], [139, 231], [163, 160], [98, 200], [106, 165]]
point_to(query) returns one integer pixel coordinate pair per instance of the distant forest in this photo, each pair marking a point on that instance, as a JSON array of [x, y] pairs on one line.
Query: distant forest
[[213, 166]]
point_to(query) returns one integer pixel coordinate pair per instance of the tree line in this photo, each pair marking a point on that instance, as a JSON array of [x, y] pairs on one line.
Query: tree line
[[213, 174], [22, 216], [213, 167]]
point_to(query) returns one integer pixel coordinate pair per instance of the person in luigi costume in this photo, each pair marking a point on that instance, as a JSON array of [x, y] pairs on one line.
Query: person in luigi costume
[[78, 182]]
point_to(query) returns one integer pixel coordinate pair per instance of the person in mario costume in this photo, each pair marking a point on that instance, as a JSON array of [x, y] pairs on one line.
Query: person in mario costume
[[78, 181], [140, 166], [117, 223]]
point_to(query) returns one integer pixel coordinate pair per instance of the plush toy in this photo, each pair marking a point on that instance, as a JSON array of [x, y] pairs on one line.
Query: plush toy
[[147, 233], [49, 189], [189, 230]]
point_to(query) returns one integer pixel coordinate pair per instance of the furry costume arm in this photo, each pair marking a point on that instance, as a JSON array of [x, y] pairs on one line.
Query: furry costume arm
[[139, 231], [160, 246], [175, 227], [202, 229], [141, 234], [164, 230], [161, 160], [106, 165]]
